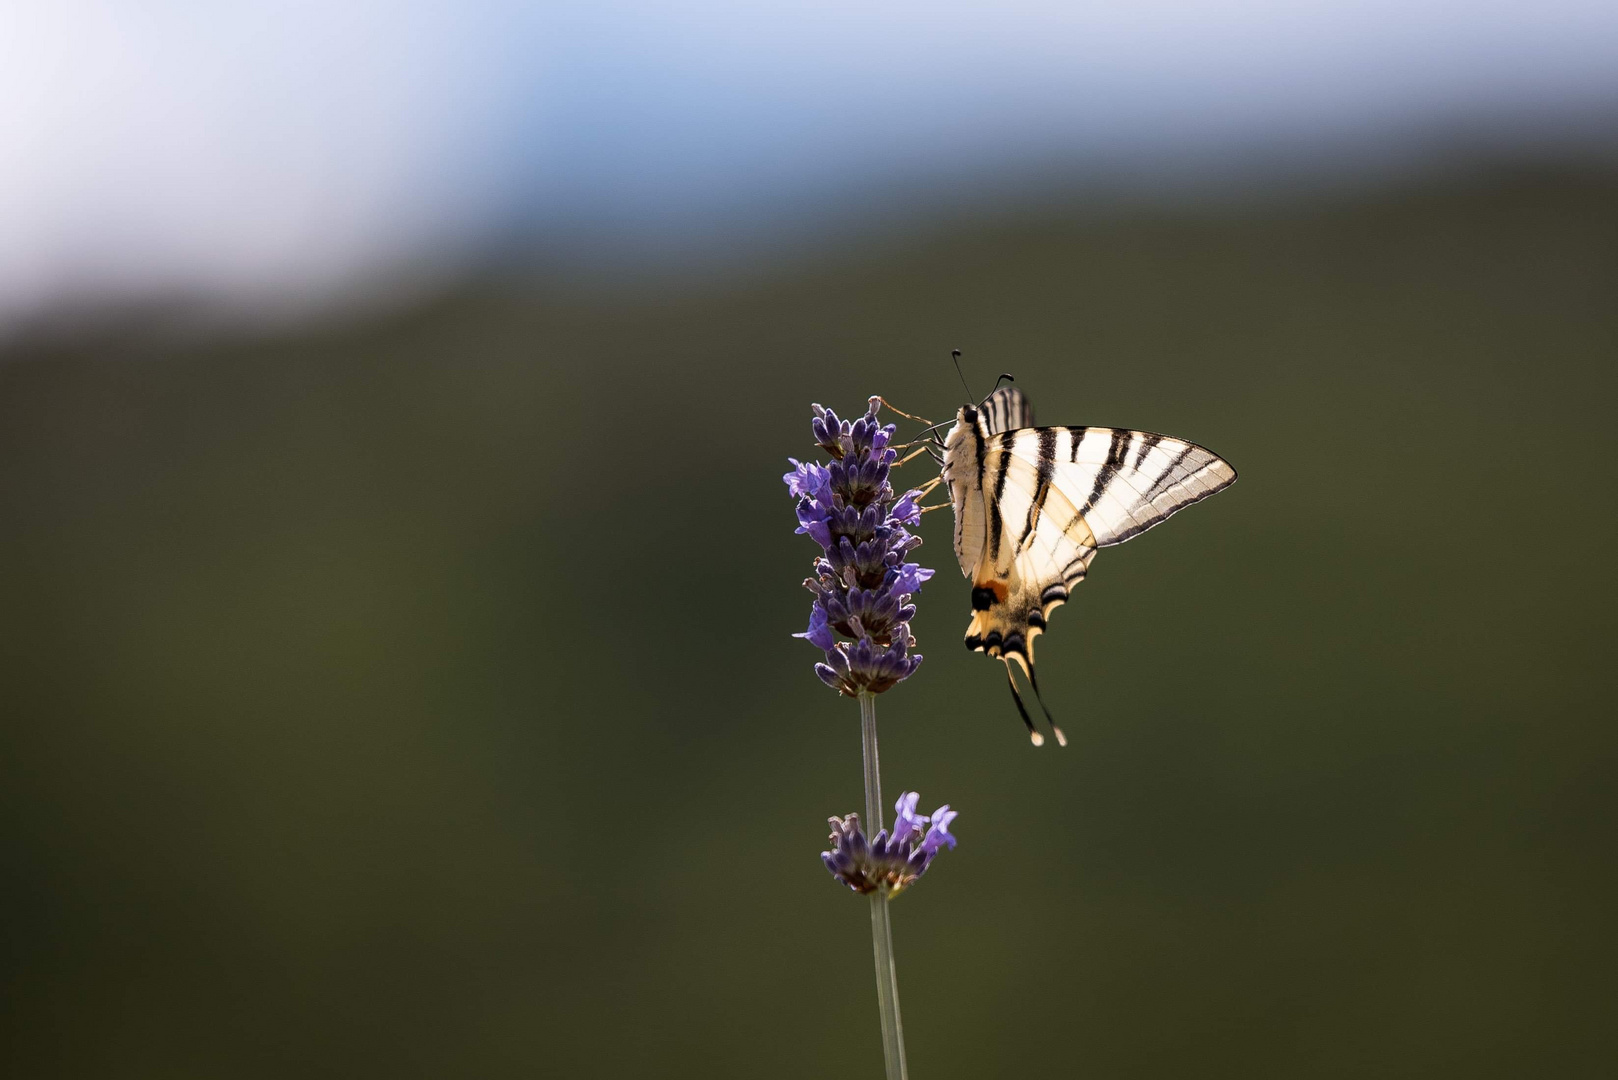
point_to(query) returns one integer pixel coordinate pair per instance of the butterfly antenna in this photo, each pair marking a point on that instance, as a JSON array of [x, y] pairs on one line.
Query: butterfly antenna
[[1005, 376], [1033, 680], [1033, 734], [955, 354]]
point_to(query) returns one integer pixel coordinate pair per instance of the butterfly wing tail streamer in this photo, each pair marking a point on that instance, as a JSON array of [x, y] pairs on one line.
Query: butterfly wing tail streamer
[[1025, 660], [1022, 710], [1033, 680]]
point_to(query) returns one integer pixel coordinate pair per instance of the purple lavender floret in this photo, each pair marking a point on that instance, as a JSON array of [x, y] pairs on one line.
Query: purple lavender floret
[[905, 818], [890, 862], [862, 584]]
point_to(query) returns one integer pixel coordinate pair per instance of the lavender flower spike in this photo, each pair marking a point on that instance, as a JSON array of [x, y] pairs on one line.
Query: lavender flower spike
[[860, 620], [890, 863], [862, 584]]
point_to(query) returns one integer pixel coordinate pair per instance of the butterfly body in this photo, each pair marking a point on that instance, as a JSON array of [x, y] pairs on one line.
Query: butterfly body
[[1034, 504]]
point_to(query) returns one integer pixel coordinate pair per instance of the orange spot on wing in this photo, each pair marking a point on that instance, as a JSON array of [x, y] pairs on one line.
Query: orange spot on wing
[[996, 587]]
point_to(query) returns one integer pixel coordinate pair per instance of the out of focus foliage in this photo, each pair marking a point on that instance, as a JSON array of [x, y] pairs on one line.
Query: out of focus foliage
[[414, 696]]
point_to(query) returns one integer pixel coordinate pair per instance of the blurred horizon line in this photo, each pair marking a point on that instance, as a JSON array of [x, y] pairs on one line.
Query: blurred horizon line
[[761, 236], [267, 160]]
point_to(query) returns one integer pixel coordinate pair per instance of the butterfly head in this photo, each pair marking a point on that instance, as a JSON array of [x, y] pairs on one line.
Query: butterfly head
[[966, 420], [966, 417]]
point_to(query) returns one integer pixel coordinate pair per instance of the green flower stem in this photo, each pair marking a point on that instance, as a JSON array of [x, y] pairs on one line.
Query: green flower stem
[[887, 977]]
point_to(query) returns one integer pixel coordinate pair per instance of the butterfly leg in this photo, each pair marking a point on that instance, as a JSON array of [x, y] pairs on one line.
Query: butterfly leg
[[933, 445], [1033, 734], [926, 490], [917, 452], [902, 413]]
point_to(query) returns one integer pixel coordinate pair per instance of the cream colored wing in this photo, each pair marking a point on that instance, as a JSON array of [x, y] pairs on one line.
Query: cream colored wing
[[1005, 409], [1124, 482], [1052, 496]]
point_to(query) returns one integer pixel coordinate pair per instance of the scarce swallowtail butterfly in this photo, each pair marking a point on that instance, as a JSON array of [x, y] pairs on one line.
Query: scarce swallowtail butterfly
[[1033, 504]]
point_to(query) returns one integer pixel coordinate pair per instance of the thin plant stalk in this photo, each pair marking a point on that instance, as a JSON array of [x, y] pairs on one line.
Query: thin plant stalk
[[887, 976]]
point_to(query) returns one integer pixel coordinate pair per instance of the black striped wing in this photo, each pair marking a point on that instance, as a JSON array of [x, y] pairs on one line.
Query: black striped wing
[[1034, 504], [1007, 409], [1120, 482], [1051, 497], [1004, 410]]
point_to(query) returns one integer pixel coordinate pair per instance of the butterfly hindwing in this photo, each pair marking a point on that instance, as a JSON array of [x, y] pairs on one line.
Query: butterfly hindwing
[[1036, 547]]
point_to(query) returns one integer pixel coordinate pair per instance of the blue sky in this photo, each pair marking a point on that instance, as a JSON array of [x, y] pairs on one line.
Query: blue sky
[[267, 153]]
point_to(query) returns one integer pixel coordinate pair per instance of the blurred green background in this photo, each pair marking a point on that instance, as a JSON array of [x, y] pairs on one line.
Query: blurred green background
[[411, 694]]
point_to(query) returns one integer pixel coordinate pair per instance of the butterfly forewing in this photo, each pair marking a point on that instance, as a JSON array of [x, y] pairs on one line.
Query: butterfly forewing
[[1004, 410], [1007, 409], [1123, 482]]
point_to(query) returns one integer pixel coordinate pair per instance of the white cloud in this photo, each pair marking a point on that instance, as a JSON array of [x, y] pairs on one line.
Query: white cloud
[[227, 146]]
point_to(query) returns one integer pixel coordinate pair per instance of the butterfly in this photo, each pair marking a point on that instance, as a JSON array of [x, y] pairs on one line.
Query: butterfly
[[1034, 504]]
